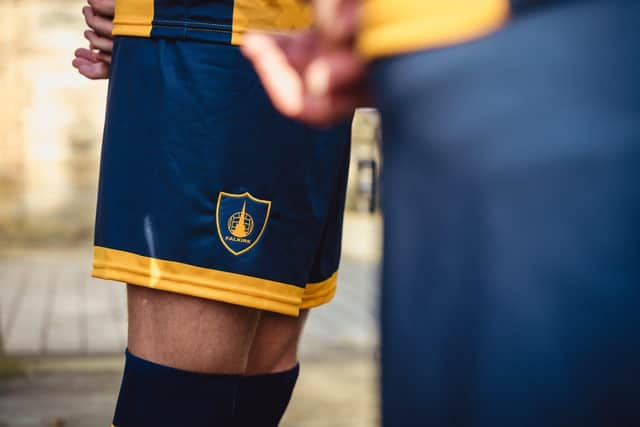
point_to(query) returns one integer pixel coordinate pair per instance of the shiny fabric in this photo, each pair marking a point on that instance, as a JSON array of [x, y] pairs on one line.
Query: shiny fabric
[[189, 121]]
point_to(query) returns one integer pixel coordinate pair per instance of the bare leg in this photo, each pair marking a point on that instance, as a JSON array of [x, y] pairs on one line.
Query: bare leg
[[275, 344], [198, 335], [189, 333]]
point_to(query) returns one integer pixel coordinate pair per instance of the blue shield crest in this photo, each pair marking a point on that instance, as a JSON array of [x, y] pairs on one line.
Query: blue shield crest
[[241, 219]]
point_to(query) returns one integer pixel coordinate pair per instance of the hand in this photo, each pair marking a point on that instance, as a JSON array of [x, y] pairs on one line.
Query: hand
[[314, 76], [93, 63], [89, 65], [337, 20]]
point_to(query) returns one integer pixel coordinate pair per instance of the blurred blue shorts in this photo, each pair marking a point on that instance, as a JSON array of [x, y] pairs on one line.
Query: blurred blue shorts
[[511, 184]]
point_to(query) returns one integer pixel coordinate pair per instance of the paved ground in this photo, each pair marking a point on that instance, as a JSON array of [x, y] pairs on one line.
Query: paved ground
[[338, 390], [50, 306], [63, 334]]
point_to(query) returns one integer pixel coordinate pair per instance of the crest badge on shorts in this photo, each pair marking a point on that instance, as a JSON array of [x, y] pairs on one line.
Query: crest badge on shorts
[[241, 220]]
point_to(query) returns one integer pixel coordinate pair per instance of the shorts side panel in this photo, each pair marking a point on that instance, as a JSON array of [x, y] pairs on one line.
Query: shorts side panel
[[316, 294], [323, 274]]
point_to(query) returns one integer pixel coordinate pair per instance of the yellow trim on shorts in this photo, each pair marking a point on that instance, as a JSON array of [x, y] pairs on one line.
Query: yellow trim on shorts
[[316, 294], [232, 288], [133, 18], [392, 27]]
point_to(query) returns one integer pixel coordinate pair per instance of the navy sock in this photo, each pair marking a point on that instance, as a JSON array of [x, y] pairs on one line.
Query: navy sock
[[153, 395], [262, 399]]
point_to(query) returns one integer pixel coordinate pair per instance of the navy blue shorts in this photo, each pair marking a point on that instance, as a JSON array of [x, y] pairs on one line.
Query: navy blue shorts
[[206, 190]]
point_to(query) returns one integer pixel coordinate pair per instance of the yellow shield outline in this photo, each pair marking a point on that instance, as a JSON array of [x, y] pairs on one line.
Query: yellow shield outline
[[240, 196]]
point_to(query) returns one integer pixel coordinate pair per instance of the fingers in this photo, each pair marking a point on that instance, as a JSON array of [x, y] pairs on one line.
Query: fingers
[[322, 111], [103, 7], [92, 56], [95, 64], [98, 71], [100, 43], [337, 20], [334, 71], [89, 65], [326, 12], [315, 87], [281, 80], [106, 58], [87, 54], [101, 25], [91, 70]]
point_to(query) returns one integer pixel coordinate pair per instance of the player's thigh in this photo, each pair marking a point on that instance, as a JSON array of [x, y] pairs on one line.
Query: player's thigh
[[275, 343], [189, 333]]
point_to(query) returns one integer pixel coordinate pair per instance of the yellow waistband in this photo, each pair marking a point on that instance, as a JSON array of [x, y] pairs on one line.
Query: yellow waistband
[[141, 17], [399, 26]]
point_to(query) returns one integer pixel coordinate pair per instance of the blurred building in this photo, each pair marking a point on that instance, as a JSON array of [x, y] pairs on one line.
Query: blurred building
[[50, 125], [364, 191]]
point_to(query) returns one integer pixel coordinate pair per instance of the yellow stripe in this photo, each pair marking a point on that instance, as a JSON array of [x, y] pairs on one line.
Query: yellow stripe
[[398, 26], [133, 18], [269, 15], [200, 282], [316, 294]]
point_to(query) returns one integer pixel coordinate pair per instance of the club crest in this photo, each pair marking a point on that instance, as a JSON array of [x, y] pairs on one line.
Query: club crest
[[241, 219]]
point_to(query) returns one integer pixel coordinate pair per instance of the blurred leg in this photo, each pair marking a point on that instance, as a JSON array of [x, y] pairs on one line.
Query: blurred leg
[[510, 280]]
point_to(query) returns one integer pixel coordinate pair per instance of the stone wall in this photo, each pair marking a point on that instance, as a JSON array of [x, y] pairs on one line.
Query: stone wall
[[50, 125]]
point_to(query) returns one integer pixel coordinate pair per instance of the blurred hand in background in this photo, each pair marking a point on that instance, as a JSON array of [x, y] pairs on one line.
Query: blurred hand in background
[[316, 75], [93, 62]]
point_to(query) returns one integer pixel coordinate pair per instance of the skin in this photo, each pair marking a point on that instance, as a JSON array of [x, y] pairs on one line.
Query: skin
[[200, 335], [315, 76], [306, 79], [181, 331], [189, 333], [93, 63], [275, 343]]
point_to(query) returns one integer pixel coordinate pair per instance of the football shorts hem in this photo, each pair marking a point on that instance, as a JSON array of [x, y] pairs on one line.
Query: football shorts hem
[[316, 294], [232, 288]]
